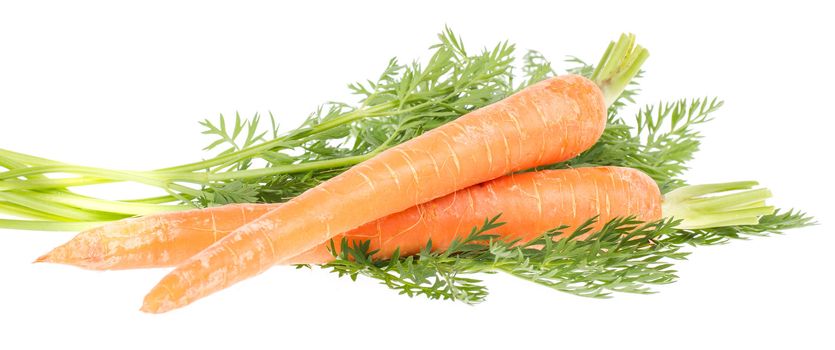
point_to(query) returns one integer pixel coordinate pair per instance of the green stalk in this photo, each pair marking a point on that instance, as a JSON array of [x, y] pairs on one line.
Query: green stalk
[[620, 63], [185, 172], [76, 169], [21, 211], [103, 205], [27, 199], [253, 151], [159, 178], [10, 164], [298, 137], [46, 183], [202, 178], [730, 200], [24, 205], [25, 158], [151, 200], [48, 225], [184, 192], [703, 206], [163, 180]]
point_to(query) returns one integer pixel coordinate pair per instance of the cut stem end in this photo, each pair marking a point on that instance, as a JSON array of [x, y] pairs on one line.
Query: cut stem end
[[702, 206], [619, 65]]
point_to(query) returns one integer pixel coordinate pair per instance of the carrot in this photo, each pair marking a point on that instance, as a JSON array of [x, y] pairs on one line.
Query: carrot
[[551, 121], [531, 203]]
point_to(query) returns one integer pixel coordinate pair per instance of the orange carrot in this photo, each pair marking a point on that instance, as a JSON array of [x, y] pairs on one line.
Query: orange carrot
[[550, 121], [530, 203]]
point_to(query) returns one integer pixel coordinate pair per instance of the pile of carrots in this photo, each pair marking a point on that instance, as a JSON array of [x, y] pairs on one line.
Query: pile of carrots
[[436, 186]]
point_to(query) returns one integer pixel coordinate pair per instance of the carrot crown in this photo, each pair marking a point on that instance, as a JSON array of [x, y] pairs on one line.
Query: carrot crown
[[620, 63], [699, 207]]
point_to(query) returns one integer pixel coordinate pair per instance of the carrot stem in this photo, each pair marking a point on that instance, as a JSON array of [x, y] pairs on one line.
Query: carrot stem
[[25, 158], [48, 225], [730, 200], [700, 206], [620, 63], [26, 212], [118, 207], [47, 183], [700, 190], [152, 200], [25, 199], [258, 149]]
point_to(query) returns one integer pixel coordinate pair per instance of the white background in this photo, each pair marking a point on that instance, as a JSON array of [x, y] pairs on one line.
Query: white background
[[123, 86]]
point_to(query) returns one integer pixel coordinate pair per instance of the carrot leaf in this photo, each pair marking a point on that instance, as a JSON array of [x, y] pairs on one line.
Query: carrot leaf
[[659, 141], [624, 256], [535, 68]]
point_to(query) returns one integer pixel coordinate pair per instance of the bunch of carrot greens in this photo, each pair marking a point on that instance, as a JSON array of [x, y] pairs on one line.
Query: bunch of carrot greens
[[257, 163]]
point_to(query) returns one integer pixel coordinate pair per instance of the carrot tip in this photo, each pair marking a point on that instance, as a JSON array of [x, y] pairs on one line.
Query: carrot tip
[[148, 309], [43, 258], [151, 306], [154, 307], [158, 301]]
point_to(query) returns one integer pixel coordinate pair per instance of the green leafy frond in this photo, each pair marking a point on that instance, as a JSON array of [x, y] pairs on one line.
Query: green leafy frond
[[623, 256], [243, 133], [435, 275], [535, 68], [659, 141], [230, 192]]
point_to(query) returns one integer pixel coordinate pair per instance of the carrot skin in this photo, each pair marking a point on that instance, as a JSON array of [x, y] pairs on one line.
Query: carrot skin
[[551, 121]]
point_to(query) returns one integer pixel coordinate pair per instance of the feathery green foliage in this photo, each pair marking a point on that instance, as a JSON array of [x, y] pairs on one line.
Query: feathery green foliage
[[659, 141], [624, 256]]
